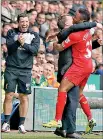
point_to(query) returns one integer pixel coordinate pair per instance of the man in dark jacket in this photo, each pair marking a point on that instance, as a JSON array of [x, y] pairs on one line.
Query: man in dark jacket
[[22, 45]]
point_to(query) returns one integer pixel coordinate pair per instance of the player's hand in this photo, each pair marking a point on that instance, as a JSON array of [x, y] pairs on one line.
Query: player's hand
[[21, 39], [100, 26], [51, 36]]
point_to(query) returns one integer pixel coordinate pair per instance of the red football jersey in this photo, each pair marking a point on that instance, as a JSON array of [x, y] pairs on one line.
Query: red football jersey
[[81, 43]]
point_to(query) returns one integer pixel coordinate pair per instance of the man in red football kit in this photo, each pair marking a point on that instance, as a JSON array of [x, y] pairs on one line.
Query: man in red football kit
[[81, 68]]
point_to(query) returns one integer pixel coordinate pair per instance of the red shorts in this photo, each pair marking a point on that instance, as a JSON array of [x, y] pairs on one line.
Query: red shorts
[[78, 76]]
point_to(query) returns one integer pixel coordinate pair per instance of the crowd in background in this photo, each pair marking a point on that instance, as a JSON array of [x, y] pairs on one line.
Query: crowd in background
[[43, 17]]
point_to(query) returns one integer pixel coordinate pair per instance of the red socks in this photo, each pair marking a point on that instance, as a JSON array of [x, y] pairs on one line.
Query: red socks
[[61, 101], [85, 106]]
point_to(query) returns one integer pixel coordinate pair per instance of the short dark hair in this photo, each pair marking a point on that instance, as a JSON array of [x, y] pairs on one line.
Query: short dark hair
[[31, 10], [85, 14], [21, 15]]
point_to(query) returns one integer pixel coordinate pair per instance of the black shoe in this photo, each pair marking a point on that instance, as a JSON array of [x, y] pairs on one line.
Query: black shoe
[[74, 135], [60, 132]]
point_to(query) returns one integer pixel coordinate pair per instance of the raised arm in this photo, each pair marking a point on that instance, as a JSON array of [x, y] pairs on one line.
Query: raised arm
[[74, 28]]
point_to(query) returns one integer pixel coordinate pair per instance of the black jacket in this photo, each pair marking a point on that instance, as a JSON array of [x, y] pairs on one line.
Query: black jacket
[[65, 56], [18, 56]]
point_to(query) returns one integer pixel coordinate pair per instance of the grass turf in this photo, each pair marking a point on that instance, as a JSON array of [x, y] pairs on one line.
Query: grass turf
[[43, 135]]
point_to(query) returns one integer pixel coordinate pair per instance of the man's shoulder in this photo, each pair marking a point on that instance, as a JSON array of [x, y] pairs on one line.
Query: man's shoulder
[[76, 34]]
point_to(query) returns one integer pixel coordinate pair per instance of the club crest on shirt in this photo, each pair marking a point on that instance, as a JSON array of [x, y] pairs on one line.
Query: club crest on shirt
[[27, 86]]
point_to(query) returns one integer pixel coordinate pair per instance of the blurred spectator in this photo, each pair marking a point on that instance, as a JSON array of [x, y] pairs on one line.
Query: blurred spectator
[[47, 79], [51, 9], [94, 65], [30, 5], [42, 48], [68, 7], [40, 58], [45, 26], [99, 58], [49, 58], [45, 7], [13, 4], [50, 76], [100, 5], [99, 69], [41, 70], [5, 11], [38, 7], [98, 17], [49, 43], [21, 7], [13, 10], [88, 4], [5, 29], [35, 29], [56, 9], [32, 17], [95, 6], [77, 2], [14, 24], [61, 9], [35, 73], [40, 20]]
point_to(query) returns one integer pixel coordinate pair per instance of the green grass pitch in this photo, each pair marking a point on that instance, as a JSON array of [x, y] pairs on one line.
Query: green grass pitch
[[43, 135]]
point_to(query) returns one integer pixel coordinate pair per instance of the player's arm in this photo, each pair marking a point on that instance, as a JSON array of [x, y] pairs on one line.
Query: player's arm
[[74, 28], [57, 46], [72, 39]]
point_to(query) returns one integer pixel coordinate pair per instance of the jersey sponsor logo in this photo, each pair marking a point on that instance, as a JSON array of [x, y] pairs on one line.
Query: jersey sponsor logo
[[67, 40]]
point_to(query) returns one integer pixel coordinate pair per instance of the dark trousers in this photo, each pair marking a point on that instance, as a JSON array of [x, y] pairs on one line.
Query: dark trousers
[[69, 114]]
